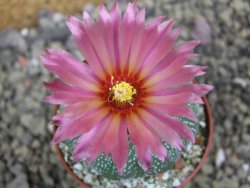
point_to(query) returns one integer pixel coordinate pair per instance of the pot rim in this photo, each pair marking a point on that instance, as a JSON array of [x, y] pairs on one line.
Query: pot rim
[[209, 120]]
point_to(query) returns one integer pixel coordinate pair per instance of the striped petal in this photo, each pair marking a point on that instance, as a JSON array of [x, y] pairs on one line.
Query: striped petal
[[116, 20], [161, 50], [173, 99], [145, 141], [148, 42], [70, 128], [198, 89], [162, 129], [85, 45], [136, 42], [76, 109], [120, 152], [90, 139], [181, 110], [126, 31], [108, 27], [76, 67], [65, 94], [152, 42], [77, 74], [168, 67], [173, 124], [183, 76]]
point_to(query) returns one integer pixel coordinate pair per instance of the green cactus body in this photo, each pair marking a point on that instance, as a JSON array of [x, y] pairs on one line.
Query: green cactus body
[[106, 167]]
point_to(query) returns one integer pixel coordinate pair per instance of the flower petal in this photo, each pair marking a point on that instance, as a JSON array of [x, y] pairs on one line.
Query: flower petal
[[108, 141], [70, 128], [174, 110], [145, 141], [116, 20], [76, 109], [183, 76], [85, 45], [78, 68], [154, 22], [198, 89], [188, 47], [160, 50], [176, 125], [76, 75], [169, 66], [103, 140], [161, 129], [120, 152], [108, 25], [126, 30], [151, 38], [91, 138], [136, 42], [99, 45], [116, 12], [173, 99], [144, 156], [65, 94]]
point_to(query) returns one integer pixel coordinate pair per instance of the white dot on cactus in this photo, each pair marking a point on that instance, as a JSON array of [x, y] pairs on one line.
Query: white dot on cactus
[[165, 176], [176, 182], [202, 124], [78, 167]]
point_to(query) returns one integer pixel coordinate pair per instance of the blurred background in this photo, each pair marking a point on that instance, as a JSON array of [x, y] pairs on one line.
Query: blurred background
[[27, 27]]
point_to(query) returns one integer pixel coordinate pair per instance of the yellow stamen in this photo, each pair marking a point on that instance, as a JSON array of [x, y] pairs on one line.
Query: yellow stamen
[[122, 94]]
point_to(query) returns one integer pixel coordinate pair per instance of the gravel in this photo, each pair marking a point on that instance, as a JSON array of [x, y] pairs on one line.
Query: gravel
[[12, 39], [219, 158], [27, 159]]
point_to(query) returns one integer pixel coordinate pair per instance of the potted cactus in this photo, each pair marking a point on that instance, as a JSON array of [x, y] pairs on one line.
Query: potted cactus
[[129, 114]]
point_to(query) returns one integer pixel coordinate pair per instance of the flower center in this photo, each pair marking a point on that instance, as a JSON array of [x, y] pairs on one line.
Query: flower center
[[122, 94]]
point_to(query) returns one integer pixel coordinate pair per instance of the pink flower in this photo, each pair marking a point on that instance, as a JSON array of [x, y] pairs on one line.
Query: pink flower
[[132, 87]]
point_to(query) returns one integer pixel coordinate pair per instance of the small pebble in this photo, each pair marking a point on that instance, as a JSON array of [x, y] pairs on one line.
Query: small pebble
[[220, 158]]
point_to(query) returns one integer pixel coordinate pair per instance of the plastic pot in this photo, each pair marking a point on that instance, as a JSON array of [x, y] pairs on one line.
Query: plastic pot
[[209, 121]]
